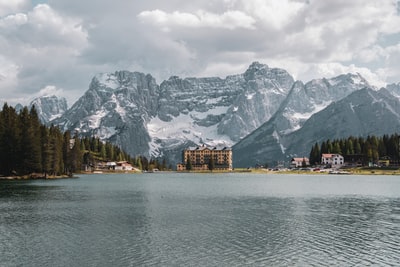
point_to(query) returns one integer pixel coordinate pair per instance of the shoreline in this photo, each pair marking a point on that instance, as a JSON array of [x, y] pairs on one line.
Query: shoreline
[[36, 176], [350, 171]]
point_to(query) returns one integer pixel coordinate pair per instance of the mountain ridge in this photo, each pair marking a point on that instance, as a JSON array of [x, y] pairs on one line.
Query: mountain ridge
[[131, 110]]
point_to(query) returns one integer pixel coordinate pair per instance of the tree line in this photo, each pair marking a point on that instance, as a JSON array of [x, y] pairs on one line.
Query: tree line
[[366, 149], [27, 146]]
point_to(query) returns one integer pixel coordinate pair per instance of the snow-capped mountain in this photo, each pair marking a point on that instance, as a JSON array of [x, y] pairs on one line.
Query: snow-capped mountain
[[117, 108], [364, 112], [263, 113], [215, 111], [49, 107], [304, 101], [131, 110]]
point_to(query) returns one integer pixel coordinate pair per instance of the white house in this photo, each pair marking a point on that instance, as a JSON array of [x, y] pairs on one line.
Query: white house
[[123, 166], [299, 162], [334, 160]]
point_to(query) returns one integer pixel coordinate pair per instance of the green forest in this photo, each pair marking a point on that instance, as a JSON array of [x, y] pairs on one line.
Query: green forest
[[364, 150], [27, 146]]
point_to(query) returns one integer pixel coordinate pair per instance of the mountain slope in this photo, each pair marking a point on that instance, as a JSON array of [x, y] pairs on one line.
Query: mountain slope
[[115, 108], [364, 112]]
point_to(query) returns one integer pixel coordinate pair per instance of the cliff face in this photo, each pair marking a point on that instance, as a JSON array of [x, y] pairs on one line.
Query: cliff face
[[131, 110], [49, 107]]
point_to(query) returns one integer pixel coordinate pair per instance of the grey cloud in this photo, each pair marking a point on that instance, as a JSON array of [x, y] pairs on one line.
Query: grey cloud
[[104, 36]]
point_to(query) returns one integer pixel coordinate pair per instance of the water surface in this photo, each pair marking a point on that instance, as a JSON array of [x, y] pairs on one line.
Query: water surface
[[174, 219]]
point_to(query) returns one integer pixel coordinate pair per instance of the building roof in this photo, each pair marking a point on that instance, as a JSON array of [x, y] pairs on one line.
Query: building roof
[[204, 147], [330, 155], [300, 159]]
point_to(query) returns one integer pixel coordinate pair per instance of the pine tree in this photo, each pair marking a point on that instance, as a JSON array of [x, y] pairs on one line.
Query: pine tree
[[357, 147], [30, 150], [36, 149], [315, 154], [336, 148], [139, 163], [211, 163], [189, 166], [56, 157], [329, 146], [103, 153], [109, 151], [46, 149], [324, 149], [349, 147], [164, 164], [76, 156], [9, 140]]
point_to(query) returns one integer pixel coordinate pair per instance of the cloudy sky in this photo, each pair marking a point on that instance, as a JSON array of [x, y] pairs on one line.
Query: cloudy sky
[[57, 46]]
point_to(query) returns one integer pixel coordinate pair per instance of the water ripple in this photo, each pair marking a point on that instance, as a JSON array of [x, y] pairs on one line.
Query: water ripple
[[179, 222]]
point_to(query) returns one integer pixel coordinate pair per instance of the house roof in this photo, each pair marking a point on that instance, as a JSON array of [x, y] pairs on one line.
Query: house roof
[[300, 159]]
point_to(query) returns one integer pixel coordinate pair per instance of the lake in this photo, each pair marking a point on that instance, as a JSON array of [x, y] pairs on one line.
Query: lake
[[180, 219]]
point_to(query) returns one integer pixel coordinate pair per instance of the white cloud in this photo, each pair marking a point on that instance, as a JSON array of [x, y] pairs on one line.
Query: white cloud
[[274, 14], [12, 6], [13, 21], [50, 90], [228, 20], [40, 47], [8, 74], [391, 69]]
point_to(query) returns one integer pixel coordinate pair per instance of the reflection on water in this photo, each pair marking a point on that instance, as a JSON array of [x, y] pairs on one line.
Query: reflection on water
[[201, 220]]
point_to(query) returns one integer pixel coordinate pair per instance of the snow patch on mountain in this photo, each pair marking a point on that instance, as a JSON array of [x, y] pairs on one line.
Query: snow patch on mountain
[[185, 128], [250, 96], [352, 107], [277, 138], [95, 119], [105, 133]]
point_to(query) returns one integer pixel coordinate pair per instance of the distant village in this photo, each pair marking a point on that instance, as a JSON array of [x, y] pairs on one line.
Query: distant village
[[209, 158]]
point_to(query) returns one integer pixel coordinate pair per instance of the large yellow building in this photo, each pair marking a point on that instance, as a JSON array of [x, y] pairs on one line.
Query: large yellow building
[[206, 158]]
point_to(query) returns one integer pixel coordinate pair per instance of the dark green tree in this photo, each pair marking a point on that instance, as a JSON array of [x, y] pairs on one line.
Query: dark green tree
[[76, 155], [139, 163], [9, 140], [336, 148], [304, 163], [30, 150], [211, 163], [56, 157], [46, 149], [315, 154], [189, 166]]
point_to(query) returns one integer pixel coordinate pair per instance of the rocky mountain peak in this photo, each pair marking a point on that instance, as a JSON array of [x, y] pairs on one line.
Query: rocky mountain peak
[[49, 107]]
